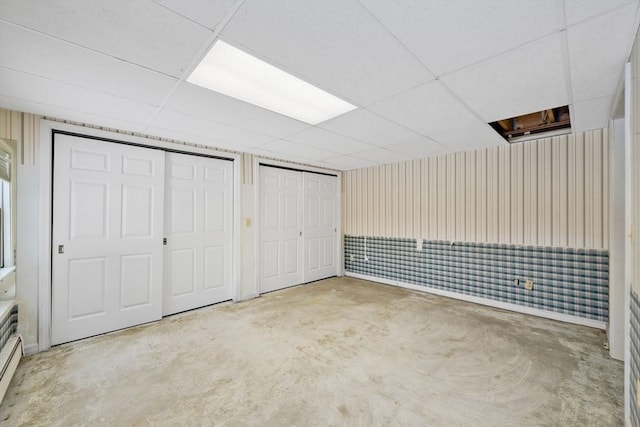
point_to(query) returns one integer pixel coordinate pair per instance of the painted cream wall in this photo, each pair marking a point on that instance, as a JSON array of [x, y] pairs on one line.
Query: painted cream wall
[[635, 165], [549, 192]]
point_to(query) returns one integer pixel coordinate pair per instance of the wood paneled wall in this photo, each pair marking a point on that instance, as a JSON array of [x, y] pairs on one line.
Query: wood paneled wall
[[23, 128], [549, 192]]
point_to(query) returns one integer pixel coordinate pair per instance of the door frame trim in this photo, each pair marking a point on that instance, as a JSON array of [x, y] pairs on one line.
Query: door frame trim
[[257, 162], [45, 186]]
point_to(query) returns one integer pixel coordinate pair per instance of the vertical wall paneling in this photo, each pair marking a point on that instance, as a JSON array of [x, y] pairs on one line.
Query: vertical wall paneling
[[492, 195], [481, 196], [549, 192], [417, 202], [470, 196], [544, 188]]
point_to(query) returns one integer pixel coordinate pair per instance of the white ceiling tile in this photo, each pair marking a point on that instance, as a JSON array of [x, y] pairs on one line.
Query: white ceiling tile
[[44, 56], [383, 155], [337, 46], [419, 148], [141, 32], [70, 115], [198, 101], [205, 12], [325, 140], [598, 50], [591, 114], [579, 10], [19, 85], [449, 35], [286, 157], [185, 136], [298, 150], [470, 138], [349, 162], [368, 127], [528, 79], [427, 109], [231, 136]]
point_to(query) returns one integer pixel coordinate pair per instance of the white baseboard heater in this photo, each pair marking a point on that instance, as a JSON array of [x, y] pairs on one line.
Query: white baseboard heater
[[9, 357], [11, 346]]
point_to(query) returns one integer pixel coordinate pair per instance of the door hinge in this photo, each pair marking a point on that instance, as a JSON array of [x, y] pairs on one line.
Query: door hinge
[[164, 241], [60, 249]]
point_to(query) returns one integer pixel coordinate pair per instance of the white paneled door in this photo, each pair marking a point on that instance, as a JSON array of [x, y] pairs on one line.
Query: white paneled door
[[320, 226], [108, 204], [198, 232], [298, 227], [280, 228]]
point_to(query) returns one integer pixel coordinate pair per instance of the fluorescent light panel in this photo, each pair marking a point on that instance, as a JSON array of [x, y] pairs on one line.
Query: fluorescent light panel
[[237, 74]]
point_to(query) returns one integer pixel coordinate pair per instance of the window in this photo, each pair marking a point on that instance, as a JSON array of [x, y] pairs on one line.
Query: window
[[7, 205]]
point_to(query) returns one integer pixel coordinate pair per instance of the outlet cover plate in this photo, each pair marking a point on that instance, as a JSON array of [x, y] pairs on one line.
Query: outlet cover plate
[[528, 285]]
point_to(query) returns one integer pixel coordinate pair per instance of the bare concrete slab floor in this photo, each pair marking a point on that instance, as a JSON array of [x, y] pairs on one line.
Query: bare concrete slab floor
[[337, 352]]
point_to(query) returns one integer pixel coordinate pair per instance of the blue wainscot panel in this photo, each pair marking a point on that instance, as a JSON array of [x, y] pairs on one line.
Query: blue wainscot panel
[[568, 281]]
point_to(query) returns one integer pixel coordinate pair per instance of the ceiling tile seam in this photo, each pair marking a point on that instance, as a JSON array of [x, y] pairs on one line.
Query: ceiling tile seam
[[319, 127], [191, 134], [394, 151], [77, 45], [616, 8], [596, 98], [197, 58], [180, 15], [230, 125], [392, 34], [330, 131], [383, 117], [261, 146], [146, 135], [97, 116], [76, 86], [504, 52], [567, 64]]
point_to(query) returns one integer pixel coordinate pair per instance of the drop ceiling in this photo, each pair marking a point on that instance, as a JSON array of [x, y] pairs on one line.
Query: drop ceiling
[[426, 76]]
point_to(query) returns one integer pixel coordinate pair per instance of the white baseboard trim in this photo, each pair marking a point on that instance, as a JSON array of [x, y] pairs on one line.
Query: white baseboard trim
[[31, 349], [485, 301], [247, 297]]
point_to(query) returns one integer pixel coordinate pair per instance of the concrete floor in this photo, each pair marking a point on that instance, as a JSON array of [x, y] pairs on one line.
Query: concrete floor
[[336, 352]]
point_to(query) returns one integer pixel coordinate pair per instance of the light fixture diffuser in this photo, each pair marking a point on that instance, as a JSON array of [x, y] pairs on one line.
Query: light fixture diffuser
[[232, 72]]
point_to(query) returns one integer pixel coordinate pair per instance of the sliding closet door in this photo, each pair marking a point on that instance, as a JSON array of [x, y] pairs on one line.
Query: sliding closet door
[[108, 205], [320, 226], [281, 223], [198, 229]]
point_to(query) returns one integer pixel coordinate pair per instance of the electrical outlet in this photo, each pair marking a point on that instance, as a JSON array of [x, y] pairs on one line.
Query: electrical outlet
[[528, 285], [516, 282], [352, 258]]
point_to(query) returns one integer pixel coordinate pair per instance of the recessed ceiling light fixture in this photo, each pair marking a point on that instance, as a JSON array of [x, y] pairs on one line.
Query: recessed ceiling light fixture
[[232, 72]]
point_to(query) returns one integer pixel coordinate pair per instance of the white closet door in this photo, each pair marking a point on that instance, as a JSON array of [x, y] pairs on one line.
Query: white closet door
[[280, 228], [320, 226], [198, 228], [108, 203]]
